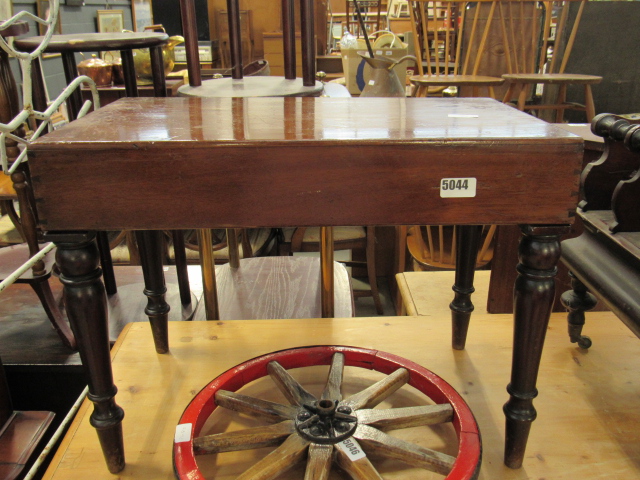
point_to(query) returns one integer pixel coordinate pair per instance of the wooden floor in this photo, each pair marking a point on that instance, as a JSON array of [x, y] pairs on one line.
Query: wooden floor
[[26, 335], [588, 424]]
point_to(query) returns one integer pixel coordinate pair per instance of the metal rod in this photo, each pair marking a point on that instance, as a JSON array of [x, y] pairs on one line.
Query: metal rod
[[26, 266], [49, 447], [363, 28]]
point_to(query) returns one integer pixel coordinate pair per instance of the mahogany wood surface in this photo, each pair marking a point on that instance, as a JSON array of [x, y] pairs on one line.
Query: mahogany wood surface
[[115, 169], [197, 148]]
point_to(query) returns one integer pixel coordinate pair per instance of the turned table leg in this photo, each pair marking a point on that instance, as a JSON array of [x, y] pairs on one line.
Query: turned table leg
[[467, 241], [86, 303], [534, 292], [150, 246]]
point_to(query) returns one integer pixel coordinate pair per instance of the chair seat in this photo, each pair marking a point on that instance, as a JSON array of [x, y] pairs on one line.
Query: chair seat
[[279, 287], [7, 192], [552, 78], [460, 80]]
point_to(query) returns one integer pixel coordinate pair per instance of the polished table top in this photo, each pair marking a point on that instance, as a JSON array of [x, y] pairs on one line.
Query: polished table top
[[375, 161]]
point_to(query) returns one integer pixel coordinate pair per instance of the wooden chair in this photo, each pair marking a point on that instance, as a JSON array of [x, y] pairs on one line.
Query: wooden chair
[[302, 239], [255, 275], [437, 27], [552, 73], [433, 247], [371, 11], [17, 188]]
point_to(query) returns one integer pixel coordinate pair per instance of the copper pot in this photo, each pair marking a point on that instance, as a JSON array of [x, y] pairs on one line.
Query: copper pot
[[118, 72], [97, 70]]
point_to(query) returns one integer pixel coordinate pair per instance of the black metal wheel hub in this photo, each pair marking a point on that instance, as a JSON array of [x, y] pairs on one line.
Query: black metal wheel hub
[[326, 422]]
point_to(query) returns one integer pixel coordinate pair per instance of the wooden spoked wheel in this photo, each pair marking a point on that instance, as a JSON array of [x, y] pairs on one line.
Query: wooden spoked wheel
[[329, 429]]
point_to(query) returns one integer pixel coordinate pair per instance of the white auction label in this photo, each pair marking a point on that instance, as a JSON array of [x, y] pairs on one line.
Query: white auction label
[[352, 448], [183, 433], [458, 187]]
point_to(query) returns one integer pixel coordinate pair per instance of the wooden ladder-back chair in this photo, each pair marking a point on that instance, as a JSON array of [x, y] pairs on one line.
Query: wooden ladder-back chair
[[433, 247], [437, 28], [244, 289], [552, 73]]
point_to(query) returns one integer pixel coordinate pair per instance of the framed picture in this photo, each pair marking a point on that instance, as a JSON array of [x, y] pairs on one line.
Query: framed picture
[[42, 10], [142, 14], [110, 21]]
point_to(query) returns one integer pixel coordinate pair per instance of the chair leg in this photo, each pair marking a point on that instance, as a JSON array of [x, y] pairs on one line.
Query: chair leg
[[577, 301], [43, 290], [589, 106], [180, 257], [560, 104], [371, 268]]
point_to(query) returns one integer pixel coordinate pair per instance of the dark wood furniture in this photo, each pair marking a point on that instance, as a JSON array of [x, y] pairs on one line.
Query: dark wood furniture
[[605, 259], [149, 243], [508, 237], [16, 187], [401, 150]]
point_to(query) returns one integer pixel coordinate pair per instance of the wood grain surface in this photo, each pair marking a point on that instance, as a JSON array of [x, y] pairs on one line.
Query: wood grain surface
[[302, 162], [587, 427]]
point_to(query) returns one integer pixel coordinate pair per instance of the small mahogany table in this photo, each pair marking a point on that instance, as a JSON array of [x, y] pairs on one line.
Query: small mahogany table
[[260, 162]]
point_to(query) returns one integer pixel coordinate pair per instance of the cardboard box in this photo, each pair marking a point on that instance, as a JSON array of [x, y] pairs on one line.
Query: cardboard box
[[356, 70]]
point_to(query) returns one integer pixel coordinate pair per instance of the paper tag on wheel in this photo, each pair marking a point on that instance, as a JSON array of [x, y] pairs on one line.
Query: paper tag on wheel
[[183, 433], [352, 448]]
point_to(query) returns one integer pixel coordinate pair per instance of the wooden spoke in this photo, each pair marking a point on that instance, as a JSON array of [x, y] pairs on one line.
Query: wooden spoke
[[289, 386], [375, 441], [360, 469], [269, 411], [395, 418], [376, 393], [246, 439], [280, 460], [319, 462], [334, 380]]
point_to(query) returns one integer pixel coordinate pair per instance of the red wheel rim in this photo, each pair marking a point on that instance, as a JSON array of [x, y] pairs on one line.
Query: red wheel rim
[[468, 459]]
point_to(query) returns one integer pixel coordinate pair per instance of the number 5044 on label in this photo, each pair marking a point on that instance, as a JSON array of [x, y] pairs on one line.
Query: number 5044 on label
[[458, 187]]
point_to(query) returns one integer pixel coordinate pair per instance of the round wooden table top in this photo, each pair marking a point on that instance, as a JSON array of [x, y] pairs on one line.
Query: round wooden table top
[[251, 87], [551, 78], [91, 42]]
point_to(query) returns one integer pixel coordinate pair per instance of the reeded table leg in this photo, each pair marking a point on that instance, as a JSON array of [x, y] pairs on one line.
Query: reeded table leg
[[86, 303], [467, 240], [150, 247], [534, 292]]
